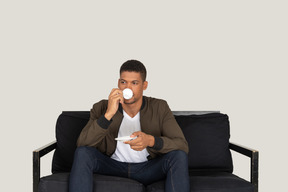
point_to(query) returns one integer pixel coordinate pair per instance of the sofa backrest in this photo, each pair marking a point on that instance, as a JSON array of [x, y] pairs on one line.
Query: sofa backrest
[[207, 135], [68, 127]]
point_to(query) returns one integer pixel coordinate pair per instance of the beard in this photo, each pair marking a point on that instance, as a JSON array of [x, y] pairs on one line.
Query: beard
[[130, 101]]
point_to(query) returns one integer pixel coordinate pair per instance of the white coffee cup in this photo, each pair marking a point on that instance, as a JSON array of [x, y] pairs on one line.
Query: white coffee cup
[[127, 93]]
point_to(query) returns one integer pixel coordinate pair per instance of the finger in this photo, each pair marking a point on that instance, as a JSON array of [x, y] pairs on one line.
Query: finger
[[113, 95], [136, 141], [121, 99], [118, 96], [137, 148], [130, 142], [113, 91], [136, 134], [116, 91]]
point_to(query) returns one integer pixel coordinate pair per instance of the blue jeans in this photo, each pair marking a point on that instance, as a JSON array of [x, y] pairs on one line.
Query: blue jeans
[[88, 160]]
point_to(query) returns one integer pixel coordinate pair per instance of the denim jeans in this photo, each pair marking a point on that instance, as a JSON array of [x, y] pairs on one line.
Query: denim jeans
[[172, 166]]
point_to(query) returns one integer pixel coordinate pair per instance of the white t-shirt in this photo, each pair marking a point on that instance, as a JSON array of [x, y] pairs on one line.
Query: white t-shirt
[[123, 151]]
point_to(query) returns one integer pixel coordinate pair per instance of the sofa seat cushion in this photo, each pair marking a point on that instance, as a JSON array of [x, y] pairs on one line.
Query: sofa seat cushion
[[59, 183], [211, 182]]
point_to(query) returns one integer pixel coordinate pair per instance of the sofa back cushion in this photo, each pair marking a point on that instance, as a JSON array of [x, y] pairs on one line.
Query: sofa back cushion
[[68, 128], [208, 139], [207, 136]]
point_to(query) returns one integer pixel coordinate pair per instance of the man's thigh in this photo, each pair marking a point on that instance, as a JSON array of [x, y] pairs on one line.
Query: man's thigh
[[157, 169], [103, 164], [148, 172]]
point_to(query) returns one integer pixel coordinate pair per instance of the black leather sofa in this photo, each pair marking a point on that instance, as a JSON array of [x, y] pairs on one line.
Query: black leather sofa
[[210, 160]]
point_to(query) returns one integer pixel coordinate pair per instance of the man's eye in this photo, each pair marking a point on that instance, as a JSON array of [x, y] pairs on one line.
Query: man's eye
[[135, 83], [123, 82]]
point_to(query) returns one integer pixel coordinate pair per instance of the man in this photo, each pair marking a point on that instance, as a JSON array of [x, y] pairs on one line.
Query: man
[[157, 149]]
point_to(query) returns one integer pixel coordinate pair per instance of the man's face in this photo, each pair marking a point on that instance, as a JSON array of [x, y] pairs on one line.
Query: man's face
[[133, 81]]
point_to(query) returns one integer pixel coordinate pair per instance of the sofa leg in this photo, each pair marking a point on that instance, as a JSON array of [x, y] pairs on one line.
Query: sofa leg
[[36, 171], [254, 170]]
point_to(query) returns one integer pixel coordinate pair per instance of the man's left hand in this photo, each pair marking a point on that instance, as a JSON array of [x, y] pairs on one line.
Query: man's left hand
[[142, 141]]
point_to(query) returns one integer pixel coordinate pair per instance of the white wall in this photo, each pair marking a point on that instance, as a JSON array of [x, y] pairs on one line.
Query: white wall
[[220, 55]]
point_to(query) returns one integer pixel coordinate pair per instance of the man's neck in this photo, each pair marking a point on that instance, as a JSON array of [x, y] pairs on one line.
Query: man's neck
[[133, 109]]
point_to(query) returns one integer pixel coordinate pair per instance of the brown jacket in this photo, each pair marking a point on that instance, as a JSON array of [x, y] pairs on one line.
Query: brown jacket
[[156, 119]]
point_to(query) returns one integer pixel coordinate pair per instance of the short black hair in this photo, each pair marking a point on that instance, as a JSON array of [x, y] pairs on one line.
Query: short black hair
[[134, 66]]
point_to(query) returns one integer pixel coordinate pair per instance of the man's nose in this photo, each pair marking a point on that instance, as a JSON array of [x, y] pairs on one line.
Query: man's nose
[[129, 85]]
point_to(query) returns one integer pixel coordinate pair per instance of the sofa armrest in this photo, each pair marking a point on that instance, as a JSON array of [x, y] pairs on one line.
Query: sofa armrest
[[254, 160], [37, 154]]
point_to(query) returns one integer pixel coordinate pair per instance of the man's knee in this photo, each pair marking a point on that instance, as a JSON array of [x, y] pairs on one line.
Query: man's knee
[[179, 156], [81, 151], [83, 154]]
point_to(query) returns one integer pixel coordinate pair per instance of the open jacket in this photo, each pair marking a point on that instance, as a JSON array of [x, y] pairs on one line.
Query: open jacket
[[156, 119]]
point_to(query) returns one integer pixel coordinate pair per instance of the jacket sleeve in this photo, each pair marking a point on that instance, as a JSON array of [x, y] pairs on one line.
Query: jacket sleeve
[[96, 128], [172, 137]]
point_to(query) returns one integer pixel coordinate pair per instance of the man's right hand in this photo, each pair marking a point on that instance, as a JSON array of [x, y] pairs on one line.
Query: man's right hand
[[115, 97]]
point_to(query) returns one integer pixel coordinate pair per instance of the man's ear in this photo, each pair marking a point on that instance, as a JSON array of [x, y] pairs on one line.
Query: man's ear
[[145, 85]]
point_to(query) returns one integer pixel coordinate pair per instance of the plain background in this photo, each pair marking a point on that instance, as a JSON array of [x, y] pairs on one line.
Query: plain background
[[200, 55]]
